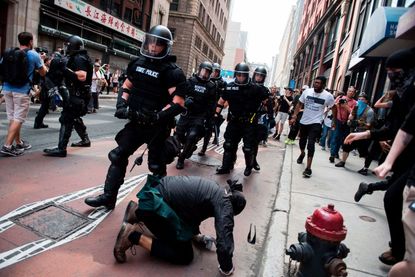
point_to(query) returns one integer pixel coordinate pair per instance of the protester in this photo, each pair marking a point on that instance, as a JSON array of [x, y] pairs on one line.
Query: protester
[[168, 228], [98, 83], [284, 105], [315, 100], [326, 132], [18, 67], [295, 125]]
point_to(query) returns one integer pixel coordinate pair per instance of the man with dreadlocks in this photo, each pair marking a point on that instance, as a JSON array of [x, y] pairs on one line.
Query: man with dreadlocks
[[169, 212]]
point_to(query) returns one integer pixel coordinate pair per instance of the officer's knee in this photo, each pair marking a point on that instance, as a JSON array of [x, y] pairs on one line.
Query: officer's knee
[[117, 157], [228, 146], [247, 150]]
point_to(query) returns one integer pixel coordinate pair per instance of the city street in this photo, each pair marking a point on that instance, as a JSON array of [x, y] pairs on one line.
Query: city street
[[32, 182]]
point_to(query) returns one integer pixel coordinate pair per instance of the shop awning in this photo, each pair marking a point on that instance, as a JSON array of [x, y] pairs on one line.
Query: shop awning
[[379, 36]]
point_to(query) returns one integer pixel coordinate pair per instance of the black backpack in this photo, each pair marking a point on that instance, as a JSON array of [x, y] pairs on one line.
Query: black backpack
[[14, 67]]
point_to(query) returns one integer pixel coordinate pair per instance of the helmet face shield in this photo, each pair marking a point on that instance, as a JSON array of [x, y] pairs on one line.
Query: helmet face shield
[[155, 47], [241, 77], [259, 77], [204, 74]]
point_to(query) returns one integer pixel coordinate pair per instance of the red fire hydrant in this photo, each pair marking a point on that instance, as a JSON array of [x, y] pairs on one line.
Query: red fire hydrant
[[320, 251]]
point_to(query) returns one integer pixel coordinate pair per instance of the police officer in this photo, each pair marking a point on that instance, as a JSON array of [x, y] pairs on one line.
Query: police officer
[[200, 104], [213, 123], [152, 95], [75, 96], [266, 111], [244, 99]]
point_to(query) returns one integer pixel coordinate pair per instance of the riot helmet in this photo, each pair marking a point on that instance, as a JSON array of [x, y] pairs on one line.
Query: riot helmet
[[73, 44], [216, 71], [241, 74], [260, 74], [157, 43], [205, 69]]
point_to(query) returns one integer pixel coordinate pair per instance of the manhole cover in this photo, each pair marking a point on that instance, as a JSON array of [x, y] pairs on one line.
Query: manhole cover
[[51, 221], [367, 218], [205, 160]]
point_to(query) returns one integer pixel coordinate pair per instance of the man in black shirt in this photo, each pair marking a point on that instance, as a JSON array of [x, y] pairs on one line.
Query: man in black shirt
[[284, 105]]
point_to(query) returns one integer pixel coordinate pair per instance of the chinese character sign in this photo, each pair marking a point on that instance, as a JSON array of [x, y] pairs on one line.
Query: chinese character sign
[[88, 11]]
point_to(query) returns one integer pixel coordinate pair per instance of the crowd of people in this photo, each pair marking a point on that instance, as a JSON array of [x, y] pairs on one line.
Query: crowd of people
[[154, 91]]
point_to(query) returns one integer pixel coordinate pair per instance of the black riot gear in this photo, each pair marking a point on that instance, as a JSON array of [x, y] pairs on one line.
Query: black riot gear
[[157, 43], [216, 71], [73, 44], [204, 75], [260, 70], [241, 69]]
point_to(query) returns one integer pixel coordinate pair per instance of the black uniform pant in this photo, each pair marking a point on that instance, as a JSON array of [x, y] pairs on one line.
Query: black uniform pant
[[71, 119], [308, 136], [129, 139], [393, 208], [44, 108], [189, 130], [235, 131]]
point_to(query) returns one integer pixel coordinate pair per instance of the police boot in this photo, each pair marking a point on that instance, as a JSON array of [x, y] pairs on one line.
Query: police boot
[[60, 151], [204, 148], [256, 165], [180, 162], [227, 163], [80, 128], [249, 164], [106, 199]]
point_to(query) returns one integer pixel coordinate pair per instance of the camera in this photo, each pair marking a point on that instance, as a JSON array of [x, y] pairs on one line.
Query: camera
[[342, 101], [40, 50]]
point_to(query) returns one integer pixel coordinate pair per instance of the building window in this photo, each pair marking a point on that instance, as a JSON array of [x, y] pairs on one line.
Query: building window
[[174, 5], [205, 49], [198, 42], [128, 15]]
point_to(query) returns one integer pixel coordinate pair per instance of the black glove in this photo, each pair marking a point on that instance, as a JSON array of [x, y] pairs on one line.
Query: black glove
[[122, 109], [188, 102]]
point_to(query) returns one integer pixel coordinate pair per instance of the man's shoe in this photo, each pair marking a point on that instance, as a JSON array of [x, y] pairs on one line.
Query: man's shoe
[[362, 190], [129, 215], [340, 164], [23, 145], [55, 152], [300, 158], [11, 151], [215, 141], [102, 200], [222, 170], [363, 171], [256, 166], [331, 159], [82, 143], [287, 141], [123, 243], [180, 164], [387, 258], [307, 173], [40, 126], [248, 171], [292, 141], [201, 153]]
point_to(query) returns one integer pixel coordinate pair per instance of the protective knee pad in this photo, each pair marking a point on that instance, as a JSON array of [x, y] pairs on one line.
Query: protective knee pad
[[228, 146], [117, 157], [192, 136], [64, 118]]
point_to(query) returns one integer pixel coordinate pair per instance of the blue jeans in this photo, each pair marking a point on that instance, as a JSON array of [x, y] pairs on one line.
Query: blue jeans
[[326, 133], [339, 134]]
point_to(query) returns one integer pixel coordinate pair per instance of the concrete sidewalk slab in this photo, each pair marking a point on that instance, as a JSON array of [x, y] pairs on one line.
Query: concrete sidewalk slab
[[301, 196]]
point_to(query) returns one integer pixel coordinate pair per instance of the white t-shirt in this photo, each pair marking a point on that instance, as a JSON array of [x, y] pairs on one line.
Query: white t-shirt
[[314, 105], [94, 84]]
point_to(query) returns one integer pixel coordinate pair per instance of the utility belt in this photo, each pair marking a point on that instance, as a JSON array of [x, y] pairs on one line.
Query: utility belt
[[246, 118]]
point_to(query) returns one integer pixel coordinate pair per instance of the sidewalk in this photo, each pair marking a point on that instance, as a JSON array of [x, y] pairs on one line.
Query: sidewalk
[[298, 197]]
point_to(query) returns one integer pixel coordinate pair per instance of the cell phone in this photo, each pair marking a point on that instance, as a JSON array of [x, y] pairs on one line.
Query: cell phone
[[412, 206]]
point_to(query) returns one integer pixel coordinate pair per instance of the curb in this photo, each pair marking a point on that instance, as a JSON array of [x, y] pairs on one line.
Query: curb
[[107, 96], [274, 252]]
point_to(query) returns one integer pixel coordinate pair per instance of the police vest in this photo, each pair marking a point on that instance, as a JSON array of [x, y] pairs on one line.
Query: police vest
[[243, 100], [80, 61], [149, 92], [203, 94]]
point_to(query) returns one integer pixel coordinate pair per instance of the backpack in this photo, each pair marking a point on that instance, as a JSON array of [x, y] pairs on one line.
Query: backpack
[[14, 67]]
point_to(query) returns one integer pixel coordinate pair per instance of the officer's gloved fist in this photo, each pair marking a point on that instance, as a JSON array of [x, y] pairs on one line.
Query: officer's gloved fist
[[122, 109], [188, 102]]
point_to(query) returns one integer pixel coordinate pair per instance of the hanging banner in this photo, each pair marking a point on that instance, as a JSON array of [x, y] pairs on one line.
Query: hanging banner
[[92, 13]]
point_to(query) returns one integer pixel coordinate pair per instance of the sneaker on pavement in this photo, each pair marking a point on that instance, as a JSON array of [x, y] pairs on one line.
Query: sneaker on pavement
[[307, 173], [340, 164], [287, 141], [11, 151], [331, 159], [292, 142], [387, 258], [23, 145], [363, 171], [362, 190]]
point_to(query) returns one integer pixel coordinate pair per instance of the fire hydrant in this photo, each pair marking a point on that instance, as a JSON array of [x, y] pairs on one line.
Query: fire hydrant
[[320, 251]]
